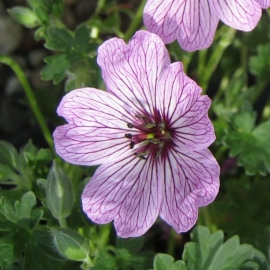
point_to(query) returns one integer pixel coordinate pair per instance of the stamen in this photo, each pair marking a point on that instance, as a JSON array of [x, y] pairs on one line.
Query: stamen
[[131, 145], [128, 135], [141, 116], [130, 125], [161, 145], [149, 125], [142, 155], [154, 141]]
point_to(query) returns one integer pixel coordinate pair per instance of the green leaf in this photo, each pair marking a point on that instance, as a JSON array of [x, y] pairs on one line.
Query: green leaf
[[245, 199], [36, 216], [82, 74], [40, 254], [143, 260], [22, 213], [44, 240], [7, 210], [163, 262], [25, 16], [41, 14], [24, 207], [244, 122], [12, 245], [82, 39], [40, 33], [105, 261], [166, 262], [250, 144], [133, 245], [6, 225], [8, 154], [56, 68], [7, 250], [44, 154], [59, 39], [260, 64], [57, 8], [208, 251], [6, 173]]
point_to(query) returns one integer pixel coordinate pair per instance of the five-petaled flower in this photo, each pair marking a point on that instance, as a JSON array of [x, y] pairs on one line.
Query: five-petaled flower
[[193, 22], [149, 131]]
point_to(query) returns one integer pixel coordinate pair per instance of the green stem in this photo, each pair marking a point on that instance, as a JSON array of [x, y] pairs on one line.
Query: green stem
[[201, 63], [204, 217], [137, 20], [30, 96], [104, 234], [226, 39], [171, 243], [260, 86], [88, 262], [63, 223]]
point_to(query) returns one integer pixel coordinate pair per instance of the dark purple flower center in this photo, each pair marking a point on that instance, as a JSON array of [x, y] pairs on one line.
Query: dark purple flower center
[[154, 137]]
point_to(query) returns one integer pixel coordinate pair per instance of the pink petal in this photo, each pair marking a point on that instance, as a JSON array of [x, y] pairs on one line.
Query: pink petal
[[184, 109], [193, 23], [263, 3], [240, 14], [96, 129], [131, 71], [190, 180], [127, 191]]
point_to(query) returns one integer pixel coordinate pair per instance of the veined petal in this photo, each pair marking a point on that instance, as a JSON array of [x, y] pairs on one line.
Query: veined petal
[[191, 179], [170, 89], [131, 71], [96, 129], [192, 129], [263, 3], [193, 23], [240, 14], [184, 109], [127, 191]]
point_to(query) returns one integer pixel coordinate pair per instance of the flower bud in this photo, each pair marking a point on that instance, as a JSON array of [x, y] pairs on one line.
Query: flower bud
[[71, 245], [59, 192]]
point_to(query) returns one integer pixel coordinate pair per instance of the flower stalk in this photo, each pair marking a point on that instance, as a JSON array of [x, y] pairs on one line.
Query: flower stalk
[[31, 98], [137, 20]]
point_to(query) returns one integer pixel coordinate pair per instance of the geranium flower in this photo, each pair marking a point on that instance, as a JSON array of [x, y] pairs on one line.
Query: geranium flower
[[193, 23], [149, 131]]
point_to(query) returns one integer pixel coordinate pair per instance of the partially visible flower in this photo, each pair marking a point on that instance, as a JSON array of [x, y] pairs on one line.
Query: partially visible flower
[[193, 22], [150, 131]]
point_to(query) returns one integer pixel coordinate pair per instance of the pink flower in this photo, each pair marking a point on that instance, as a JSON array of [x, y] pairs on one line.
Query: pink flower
[[149, 131], [193, 23]]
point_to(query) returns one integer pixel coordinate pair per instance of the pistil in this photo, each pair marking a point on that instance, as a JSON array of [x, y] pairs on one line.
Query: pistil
[[152, 137]]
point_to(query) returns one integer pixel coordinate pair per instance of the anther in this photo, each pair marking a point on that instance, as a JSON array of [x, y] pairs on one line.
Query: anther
[[159, 150], [131, 145], [154, 141], [142, 155], [149, 125], [130, 125], [128, 135], [139, 155]]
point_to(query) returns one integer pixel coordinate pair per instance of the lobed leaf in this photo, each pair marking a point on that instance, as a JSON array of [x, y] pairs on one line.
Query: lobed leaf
[[250, 144], [209, 252]]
